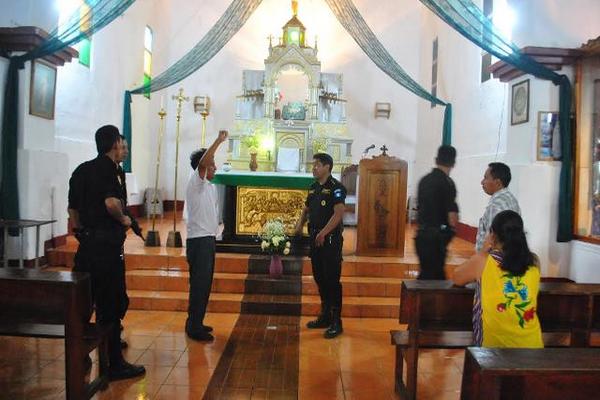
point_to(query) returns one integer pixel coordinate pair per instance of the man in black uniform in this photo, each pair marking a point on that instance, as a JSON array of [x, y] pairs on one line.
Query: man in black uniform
[[324, 209], [96, 211], [122, 181], [438, 215]]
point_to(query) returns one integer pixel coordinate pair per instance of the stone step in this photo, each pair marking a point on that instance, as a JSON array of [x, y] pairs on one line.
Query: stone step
[[353, 306], [382, 267], [176, 280]]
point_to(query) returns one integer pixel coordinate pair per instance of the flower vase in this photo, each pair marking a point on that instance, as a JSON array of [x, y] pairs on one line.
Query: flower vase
[[253, 163], [276, 266]]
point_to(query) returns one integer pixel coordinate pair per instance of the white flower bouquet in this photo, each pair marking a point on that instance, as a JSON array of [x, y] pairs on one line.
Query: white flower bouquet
[[273, 238]]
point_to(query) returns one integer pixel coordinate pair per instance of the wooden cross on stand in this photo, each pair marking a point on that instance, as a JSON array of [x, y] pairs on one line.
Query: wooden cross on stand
[[383, 149]]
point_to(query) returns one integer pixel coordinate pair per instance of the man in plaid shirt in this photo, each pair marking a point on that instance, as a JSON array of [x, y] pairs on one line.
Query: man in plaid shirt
[[495, 183]]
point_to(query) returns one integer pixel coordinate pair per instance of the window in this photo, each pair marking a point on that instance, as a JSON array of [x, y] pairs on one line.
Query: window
[[148, 38], [84, 47], [486, 58], [434, 69]]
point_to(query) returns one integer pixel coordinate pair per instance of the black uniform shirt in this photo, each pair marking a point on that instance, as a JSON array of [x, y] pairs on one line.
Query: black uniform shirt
[[320, 202], [91, 183], [122, 182], [437, 197]]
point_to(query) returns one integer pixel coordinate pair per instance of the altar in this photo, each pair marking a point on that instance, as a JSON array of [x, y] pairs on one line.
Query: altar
[[285, 114], [290, 110], [252, 198]]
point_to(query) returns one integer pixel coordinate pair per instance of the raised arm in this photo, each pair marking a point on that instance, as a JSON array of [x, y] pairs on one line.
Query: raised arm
[[209, 155]]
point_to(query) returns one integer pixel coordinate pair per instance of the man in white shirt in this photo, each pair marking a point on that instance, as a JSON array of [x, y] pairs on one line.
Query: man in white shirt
[[495, 183], [201, 200]]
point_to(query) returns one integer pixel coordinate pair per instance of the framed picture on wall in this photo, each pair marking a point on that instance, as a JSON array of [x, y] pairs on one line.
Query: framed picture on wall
[[520, 103], [548, 137], [42, 90]]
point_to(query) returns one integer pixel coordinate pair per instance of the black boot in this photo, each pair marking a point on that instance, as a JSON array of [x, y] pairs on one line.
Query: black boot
[[335, 329], [124, 370], [323, 320]]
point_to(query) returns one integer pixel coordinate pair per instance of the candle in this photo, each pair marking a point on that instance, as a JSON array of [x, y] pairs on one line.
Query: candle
[[162, 102]]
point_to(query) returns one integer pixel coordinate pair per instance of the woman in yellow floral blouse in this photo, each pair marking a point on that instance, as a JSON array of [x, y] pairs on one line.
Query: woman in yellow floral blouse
[[507, 277]]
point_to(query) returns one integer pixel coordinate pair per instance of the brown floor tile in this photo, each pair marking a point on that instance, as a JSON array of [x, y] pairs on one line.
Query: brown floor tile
[[189, 376], [160, 357], [177, 392]]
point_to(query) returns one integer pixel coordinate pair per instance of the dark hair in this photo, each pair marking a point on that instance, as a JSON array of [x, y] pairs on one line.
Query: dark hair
[[446, 156], [508, 228], [500, 171], [195, 158], [325, 159], [106, 137]]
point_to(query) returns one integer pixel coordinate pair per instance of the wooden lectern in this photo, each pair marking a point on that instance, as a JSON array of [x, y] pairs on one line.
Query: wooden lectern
[[381, 206]]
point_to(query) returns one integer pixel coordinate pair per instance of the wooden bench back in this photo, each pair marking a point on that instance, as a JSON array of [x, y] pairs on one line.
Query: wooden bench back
[[33, 296], [562, 307], [447, 309], [596, 313]]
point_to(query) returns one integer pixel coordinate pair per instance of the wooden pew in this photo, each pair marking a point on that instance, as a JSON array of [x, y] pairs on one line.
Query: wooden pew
[[439, 315], [533, 374], [595, 333], [56, 305]]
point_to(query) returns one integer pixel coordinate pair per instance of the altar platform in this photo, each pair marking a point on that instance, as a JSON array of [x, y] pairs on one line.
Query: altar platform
[[157, 277]]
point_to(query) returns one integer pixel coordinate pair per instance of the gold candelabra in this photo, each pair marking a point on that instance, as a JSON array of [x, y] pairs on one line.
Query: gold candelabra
[[203, 139], [174, 239], [153, 236]]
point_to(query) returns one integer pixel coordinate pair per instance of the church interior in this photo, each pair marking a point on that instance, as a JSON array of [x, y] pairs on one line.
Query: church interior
[[378, 86]]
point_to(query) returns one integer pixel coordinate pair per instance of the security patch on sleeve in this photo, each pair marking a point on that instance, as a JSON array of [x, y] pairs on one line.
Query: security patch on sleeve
[[338, 194]]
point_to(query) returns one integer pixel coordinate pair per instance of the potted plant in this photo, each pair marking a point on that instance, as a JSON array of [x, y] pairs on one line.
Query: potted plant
[[252, 143], [275, 242]]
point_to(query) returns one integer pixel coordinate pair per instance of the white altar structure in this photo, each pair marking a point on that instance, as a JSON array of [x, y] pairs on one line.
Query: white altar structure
[[290, 110]]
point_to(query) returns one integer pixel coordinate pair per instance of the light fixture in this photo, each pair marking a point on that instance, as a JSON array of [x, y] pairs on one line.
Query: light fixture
[[383, 110]]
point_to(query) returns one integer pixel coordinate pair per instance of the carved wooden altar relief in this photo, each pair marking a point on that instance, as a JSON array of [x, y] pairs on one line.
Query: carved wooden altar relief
[[255, 206], [381, 206]]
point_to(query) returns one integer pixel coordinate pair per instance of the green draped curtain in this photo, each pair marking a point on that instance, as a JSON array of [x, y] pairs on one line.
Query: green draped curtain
[[99, 14], [351, 19], [465, 17], [215, 39]]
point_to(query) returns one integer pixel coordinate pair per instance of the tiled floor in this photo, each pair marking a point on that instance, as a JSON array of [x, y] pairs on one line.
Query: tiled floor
[[357, 365]]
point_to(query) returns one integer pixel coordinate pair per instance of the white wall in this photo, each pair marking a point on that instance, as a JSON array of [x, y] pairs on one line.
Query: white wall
[[482, 131], [88, 98], [40, 13]]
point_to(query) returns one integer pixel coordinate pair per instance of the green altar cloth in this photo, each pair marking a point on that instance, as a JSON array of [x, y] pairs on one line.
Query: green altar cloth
[[264, 179]]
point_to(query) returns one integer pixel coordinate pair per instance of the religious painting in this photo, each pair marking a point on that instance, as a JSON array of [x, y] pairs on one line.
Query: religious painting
[[294, 111], [42, 90], [548, 137], [520, 103]]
